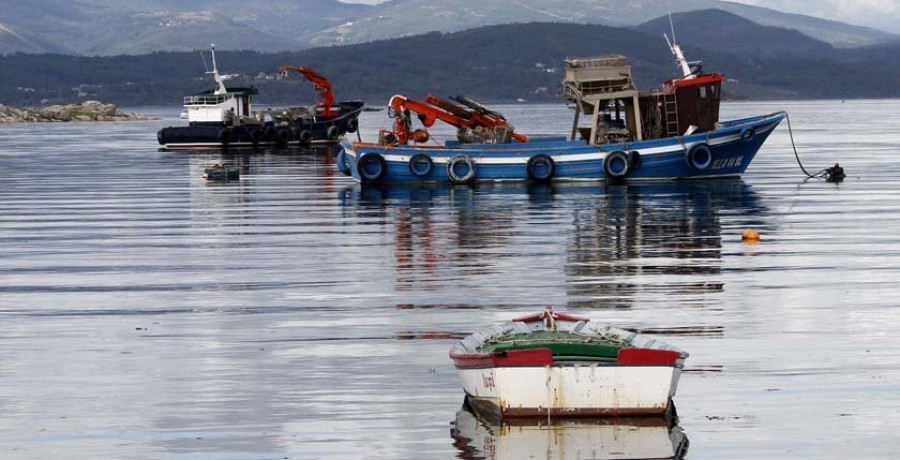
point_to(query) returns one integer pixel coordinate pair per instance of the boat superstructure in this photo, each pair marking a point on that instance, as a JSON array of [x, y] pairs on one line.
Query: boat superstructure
[[221, 104], [223, 117]]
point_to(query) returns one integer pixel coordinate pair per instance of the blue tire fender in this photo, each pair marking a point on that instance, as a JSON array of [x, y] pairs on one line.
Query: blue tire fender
[[420, 165], [342, 164], [541, 168], [461, 169], [616, 165], [700, 157], [371, 166], [747, 134]]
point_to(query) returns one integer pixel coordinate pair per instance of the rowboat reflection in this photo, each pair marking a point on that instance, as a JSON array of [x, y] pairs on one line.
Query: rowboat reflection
[[479, 438]]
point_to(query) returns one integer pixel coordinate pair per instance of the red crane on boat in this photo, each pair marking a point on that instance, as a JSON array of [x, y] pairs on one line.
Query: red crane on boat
[[323, 86], [470, 115]]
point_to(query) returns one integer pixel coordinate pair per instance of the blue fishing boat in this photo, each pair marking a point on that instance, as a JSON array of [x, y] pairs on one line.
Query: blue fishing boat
[[672, 132]]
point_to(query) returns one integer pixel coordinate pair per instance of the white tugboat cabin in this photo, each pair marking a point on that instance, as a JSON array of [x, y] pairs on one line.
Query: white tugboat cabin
[[221, 105]]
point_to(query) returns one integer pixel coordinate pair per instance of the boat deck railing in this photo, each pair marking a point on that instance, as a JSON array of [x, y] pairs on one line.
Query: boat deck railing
[[614, 60], [605, 75], [207, 99]]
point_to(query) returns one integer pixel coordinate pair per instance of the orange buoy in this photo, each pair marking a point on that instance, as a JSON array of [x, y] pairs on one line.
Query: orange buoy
[[750, 236]]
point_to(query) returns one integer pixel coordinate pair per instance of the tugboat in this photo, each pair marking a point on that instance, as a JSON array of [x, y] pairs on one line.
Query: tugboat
[[669, 133], [222, 118]]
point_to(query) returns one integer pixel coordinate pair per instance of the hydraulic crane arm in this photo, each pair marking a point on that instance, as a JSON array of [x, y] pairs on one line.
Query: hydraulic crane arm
[[323, 86], [435, 108]]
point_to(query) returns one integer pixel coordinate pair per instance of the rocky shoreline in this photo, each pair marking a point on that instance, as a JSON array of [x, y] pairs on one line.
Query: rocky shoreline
[[85, 111]]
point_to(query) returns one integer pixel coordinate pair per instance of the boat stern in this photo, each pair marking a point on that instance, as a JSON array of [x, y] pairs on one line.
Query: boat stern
[[561, 365]]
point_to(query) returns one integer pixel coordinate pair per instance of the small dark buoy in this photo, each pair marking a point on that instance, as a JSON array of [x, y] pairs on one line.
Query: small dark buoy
[[835, 173], [222, 173]]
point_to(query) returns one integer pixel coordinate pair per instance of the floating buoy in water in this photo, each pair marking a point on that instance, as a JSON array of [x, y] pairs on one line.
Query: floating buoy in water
[[750, 236]]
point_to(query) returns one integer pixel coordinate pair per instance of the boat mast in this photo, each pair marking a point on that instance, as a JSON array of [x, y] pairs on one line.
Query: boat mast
[[678, 52], [220, 82]]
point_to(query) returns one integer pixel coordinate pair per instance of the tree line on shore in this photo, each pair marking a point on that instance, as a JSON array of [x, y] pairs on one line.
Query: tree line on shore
[[494, 64]]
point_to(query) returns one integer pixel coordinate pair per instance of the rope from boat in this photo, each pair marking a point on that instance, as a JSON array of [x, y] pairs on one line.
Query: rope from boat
[[819, 175]]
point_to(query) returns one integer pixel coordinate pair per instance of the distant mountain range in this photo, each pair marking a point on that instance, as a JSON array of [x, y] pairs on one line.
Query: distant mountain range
[[738, 36], [495, 63], [112, 27], [408, 17]]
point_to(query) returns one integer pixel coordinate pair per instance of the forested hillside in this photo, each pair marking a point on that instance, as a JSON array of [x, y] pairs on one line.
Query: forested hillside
[[498, 63]]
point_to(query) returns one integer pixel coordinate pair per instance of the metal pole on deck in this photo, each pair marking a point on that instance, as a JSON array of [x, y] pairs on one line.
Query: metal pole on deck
[[577, 117]]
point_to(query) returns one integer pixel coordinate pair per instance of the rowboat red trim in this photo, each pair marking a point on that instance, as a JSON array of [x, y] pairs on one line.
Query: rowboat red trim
[[531, 358], [537, 357], [647, 357]]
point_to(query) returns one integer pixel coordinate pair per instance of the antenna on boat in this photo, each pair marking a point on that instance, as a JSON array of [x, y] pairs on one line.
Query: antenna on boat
[[678, 52], [220, 82], [203, 58], [672, 26]]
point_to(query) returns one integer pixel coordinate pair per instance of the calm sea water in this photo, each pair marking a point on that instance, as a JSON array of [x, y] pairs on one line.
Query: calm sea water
[[146, 314]]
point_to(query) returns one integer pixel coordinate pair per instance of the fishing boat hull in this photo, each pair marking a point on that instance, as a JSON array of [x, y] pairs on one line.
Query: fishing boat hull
[[302, 132], [725, 152]]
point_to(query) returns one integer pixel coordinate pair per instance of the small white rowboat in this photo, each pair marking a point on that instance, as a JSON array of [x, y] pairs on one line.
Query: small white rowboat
[[562, 365]]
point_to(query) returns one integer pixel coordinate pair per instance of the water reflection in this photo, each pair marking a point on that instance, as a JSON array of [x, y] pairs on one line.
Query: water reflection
[[609, 243], [634, 234], [477, 438]]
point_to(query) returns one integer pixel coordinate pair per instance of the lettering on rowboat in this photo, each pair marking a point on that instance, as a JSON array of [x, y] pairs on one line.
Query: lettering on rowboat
[[488, 381]]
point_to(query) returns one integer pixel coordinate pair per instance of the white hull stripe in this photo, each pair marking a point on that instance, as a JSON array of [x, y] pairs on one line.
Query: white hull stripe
[[565, 158]]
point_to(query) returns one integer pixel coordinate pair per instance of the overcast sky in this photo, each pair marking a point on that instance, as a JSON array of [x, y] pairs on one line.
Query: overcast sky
[[881, 14]]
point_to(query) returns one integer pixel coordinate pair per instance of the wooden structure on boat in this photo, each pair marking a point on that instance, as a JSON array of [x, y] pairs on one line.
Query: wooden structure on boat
[[599, 86], [603, 89]]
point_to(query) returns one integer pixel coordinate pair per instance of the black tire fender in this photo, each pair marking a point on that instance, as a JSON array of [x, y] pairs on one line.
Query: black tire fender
[[332, 133], [352, 125], [305, 137], [634, 160]]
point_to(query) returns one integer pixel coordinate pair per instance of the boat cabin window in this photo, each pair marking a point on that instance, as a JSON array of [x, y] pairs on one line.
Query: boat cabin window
[[702, 92]]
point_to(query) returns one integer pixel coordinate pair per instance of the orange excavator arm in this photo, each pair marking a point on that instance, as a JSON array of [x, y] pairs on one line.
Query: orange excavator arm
[[323, 86], [435, 108]]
